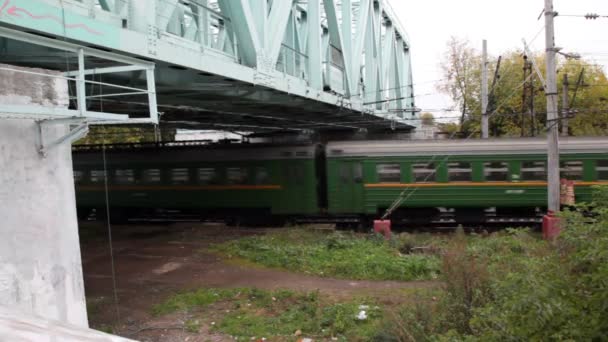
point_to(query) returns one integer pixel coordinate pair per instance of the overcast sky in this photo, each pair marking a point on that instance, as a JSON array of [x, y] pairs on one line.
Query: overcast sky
[[504, 23]]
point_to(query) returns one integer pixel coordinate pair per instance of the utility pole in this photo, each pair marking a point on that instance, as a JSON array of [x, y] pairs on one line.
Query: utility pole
[[532, 95], [553, 186], [524, 97], [485, 126], [565, 106], [528, 96]]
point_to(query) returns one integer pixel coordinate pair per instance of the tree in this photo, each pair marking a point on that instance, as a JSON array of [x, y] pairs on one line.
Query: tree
[[124, 134], [461, 70], [427, 119], [509, 113]]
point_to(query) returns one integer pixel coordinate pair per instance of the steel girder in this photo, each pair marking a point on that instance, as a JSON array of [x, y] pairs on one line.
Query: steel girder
[[353, 53]]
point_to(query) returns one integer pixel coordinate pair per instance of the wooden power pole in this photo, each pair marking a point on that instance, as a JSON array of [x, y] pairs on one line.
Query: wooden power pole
[[552, 111], [528, 97], [485, 125], [565, 106]]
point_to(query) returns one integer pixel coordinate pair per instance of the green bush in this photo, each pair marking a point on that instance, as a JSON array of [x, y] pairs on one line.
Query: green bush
[[250, 314], [333, 254], [513, 286]]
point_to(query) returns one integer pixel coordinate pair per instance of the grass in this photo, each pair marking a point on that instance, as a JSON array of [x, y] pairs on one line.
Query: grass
[[278, 315], [333, 254], [195, 299]]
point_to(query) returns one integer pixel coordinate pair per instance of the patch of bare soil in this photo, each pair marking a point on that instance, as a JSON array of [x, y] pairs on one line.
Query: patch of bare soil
[[153, 262]]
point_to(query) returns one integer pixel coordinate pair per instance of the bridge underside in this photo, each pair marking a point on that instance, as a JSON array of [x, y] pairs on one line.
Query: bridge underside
[[231, 71]]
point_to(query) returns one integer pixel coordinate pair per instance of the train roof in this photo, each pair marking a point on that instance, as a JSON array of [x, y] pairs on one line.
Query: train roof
[[192, 151], [462, 147]]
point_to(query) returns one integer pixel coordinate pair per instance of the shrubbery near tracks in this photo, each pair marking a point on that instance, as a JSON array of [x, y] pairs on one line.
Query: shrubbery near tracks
[[514, 286], [334, 254]]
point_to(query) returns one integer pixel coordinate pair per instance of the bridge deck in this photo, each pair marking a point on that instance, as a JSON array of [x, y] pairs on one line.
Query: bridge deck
[[251, 65]]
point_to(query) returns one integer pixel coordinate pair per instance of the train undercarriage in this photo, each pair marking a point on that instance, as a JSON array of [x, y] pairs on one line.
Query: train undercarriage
[[402, 219]]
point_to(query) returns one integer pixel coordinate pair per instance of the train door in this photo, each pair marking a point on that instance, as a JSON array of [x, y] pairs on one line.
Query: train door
[[296, 187], [351, 186]]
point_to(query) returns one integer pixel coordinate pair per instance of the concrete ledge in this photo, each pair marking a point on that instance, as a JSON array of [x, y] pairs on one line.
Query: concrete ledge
[[20, 86], [21, 327]]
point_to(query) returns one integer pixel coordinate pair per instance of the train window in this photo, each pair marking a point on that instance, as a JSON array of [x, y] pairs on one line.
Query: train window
[[151, 176], [571, 170], [602, 169], [496, 171], [180, 176], [237, 175], [124, 176], [98, 176], [302, 154], [207, 175], [460, 172], [533, 171], [295, 173], [424, 172], [389, 173], [78, 176], [261, 176]]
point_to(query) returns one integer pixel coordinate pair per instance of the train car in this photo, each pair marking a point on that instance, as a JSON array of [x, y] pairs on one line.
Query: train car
[[457, 181], [243, 183]]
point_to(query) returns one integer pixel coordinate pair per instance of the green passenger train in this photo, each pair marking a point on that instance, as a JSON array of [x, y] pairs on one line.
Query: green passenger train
[[349, 183]]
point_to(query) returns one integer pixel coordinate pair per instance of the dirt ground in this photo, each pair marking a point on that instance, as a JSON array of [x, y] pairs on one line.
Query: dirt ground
[[154, 261]]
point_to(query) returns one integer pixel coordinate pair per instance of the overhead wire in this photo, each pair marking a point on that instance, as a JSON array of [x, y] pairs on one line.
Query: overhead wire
[[402, 196], [108, 214]]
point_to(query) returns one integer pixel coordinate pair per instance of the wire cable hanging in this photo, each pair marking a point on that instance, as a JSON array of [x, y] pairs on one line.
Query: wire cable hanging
[[402, 196]]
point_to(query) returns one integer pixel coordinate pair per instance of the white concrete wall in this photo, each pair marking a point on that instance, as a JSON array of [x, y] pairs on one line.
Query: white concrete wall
[[40, 262], [20, 327]]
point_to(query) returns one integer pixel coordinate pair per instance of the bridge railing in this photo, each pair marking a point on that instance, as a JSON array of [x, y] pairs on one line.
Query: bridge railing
[[188, 19], [196, 22], [292, 62]]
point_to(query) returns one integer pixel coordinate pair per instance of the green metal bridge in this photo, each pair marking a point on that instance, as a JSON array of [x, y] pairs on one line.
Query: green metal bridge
[[253, 65]]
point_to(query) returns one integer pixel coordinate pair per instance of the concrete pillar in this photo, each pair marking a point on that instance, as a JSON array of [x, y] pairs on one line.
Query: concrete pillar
[[40, 261]]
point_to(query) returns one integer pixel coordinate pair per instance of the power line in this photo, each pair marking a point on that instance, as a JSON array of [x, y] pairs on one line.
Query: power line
[[588, 16]]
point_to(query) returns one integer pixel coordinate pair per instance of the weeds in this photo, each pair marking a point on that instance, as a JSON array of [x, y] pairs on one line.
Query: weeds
[[341, 255], [197, 299], [192, 326], [514, 286], [278, 314]]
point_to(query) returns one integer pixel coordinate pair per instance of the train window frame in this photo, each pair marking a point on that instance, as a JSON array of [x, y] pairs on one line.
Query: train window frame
[[97, 176], [601, 170], [243, 175], [179, 175], [207, 175], [539, 175], [578, 170], [294, 173], [489, 170], [428, 170], [459, 172], [79, 176], [151, 176], [261, 175], [124, 176], [388, 173]]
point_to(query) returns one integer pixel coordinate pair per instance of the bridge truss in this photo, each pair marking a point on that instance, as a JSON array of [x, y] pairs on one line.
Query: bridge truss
[[254, 65]]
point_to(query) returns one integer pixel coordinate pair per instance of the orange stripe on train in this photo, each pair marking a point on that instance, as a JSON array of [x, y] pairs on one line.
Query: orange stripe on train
[[178, 188], [470, 184]]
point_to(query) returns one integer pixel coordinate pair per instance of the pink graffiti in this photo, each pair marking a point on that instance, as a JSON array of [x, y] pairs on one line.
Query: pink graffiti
[[14, 11], [4, 6]]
